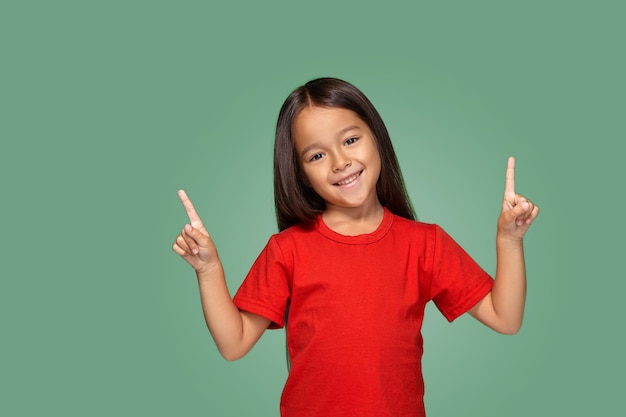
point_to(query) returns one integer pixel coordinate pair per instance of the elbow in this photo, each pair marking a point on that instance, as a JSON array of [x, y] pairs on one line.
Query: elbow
[[509, 329], [232, 355]]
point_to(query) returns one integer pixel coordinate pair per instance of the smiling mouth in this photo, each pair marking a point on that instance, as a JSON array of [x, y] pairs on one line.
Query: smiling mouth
[[350, 179]]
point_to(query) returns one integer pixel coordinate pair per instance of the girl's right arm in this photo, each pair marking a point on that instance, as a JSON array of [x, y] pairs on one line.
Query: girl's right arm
[[234, 331]]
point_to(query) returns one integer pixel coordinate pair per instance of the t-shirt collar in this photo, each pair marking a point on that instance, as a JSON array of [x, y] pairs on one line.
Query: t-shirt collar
[[366, 238]]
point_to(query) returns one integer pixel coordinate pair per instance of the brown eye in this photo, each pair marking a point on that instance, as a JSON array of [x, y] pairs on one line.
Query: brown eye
[[350, 141]]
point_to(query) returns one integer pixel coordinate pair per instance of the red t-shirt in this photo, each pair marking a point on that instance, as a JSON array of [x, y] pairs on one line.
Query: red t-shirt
[[356, 310]]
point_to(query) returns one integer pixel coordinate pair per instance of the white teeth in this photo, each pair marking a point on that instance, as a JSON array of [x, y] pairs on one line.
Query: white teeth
[[349, 179]]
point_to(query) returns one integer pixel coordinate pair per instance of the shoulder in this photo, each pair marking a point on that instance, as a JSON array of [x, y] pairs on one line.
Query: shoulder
[[416, 232], [294, 232], [401, 224], [292, 236]]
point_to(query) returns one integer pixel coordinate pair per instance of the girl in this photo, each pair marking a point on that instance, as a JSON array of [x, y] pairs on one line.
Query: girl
[[351, 265]]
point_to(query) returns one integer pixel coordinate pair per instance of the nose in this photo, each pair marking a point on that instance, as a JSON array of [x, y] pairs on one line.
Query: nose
[[341, 162]]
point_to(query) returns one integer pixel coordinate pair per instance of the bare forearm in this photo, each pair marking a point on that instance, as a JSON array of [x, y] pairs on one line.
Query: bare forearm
[[509, 289], [222, 317], [234, 331], [503, 308]]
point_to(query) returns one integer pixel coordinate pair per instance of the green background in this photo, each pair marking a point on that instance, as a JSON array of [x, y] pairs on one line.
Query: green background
[[107, 108]]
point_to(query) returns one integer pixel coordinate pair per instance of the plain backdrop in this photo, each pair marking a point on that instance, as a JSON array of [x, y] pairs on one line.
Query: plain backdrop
[[108, 108]]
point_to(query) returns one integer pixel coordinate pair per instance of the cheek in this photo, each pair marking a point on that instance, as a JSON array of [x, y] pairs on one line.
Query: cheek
[[315, 177], [376, 163]]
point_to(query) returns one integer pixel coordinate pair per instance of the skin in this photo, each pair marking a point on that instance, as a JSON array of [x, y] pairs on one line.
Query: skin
[[234, 331], [341, 163], [503, 308], [340, 159]]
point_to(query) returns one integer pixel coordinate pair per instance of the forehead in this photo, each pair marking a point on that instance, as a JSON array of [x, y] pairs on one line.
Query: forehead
[[315, 123]]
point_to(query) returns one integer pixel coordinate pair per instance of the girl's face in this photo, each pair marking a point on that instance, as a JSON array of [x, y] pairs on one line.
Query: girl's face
[[339, 157]]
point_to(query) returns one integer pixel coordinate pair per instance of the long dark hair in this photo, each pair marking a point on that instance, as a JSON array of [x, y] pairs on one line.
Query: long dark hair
[[298, 203]]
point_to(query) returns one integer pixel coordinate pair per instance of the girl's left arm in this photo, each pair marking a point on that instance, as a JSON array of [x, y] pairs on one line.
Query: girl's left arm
[[503, 308]]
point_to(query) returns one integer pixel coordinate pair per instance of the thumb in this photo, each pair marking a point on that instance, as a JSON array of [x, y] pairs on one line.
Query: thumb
[[202, 243], [521, 207], [197, 234], [517, 211]]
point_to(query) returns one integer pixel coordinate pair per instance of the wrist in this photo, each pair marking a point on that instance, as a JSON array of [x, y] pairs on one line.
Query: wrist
[[506, 240], [209, 271]]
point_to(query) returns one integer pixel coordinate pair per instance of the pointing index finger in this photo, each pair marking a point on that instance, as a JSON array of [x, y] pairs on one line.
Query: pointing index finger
[[509, 186], [191, 210]]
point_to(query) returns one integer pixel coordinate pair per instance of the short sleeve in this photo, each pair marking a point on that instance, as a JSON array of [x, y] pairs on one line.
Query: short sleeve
[[266, 289], [458, 282]]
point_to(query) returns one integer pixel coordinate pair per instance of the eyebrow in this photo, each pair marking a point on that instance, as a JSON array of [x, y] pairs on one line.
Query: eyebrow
[[340, 133]]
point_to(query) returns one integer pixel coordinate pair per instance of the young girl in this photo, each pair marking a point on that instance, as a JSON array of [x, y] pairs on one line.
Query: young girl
[[351, 265]]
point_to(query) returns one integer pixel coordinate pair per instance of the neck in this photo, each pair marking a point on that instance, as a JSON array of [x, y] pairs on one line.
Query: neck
[[352, 221]]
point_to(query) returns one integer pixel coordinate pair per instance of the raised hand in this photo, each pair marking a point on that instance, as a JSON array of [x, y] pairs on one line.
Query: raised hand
[[194, 243], [518, 212]]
